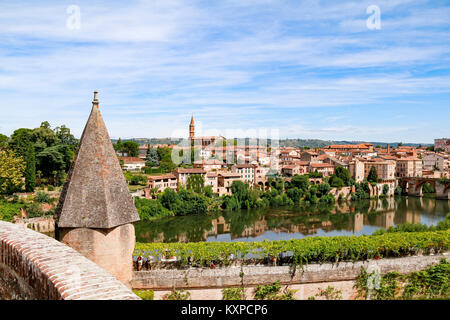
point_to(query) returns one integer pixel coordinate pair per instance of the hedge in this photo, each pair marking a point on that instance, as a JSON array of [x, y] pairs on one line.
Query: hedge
[[304, 251]]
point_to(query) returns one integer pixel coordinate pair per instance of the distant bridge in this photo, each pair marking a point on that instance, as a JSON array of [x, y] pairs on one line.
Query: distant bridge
[[414, 186]]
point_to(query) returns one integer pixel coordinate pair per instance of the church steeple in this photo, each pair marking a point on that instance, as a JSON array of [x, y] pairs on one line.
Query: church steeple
[[192, 128]]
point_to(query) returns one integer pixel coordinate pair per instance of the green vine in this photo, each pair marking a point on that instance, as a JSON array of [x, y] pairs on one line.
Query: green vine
[[303, 251]]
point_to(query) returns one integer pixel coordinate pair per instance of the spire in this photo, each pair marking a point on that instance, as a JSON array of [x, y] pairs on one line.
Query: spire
[[192, 128], [95, 194], [95, 101]]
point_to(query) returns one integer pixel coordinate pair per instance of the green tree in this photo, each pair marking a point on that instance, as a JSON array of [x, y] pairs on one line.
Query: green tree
[[152, 159], [373, 175], [166, 163], [118, 146], [30, 169], [300, 182], [170, 200], [11, 170], [51, 160], [3, 141], [44, 137], [21, 143], [336, 182], [66, 137], [131, 148], [344, 174], [295, 194]]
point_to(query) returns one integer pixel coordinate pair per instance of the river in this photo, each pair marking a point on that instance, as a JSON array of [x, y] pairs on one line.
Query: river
[[348, 218]]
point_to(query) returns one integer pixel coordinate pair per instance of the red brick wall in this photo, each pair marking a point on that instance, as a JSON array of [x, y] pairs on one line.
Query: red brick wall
[[34, 266]]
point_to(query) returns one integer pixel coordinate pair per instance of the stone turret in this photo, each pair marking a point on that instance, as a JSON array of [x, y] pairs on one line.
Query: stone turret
[[96, 212]]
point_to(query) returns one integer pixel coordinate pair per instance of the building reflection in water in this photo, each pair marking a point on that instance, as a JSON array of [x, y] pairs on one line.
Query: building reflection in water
[[345, 218]]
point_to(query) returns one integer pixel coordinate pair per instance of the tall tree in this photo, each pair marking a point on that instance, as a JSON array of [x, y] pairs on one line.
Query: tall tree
[[21, 142], [344, 174], [373, 175], [152, 159], [131, 148], [30, 169], [118, 146]]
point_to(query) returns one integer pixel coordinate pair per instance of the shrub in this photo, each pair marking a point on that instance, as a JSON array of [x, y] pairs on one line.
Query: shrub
[[177, 295], [233, 294], [43, 197], [430, 283], [145, 294], [330, 293], [8, 210], [272, 292]]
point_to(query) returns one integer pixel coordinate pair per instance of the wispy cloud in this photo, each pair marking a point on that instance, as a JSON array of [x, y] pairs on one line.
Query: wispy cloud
[[234, 64]]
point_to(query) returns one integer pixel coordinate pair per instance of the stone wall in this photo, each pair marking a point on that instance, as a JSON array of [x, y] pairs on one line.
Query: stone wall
[[40, 224], [344, 192], [207, 283], [34, 266]]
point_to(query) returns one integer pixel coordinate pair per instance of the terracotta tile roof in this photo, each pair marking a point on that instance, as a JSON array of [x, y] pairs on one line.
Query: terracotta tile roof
[[131, 160], [245, 165], [161, 177], [229, 174], [189, 170], [321, 165]]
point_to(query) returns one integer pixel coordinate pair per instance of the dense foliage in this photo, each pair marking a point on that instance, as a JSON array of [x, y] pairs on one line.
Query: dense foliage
[[431, 283], [11, 170], [47, 154], [172, 203]]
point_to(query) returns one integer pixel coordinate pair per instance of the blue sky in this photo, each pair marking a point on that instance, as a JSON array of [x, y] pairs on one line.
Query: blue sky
[[310, 69]]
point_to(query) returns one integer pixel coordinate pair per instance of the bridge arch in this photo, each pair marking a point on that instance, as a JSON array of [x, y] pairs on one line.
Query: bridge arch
[[421, 183], [447, 188], [36, 267]]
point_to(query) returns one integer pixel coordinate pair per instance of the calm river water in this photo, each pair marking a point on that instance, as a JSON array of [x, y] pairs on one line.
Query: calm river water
[[360, 218]]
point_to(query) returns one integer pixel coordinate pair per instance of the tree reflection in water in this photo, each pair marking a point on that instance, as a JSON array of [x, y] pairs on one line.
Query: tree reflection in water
[[362, 217]]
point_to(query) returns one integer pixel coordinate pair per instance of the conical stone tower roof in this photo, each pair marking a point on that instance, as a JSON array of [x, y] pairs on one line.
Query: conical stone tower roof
[[95, 194]]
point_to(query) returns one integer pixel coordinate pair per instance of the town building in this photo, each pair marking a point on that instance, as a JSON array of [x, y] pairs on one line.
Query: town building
[[309, 156], [357, 170], [225, 180], [132, 164], [209, 165], [183, 174], [363, 149], [434, 162], [409, 167], [385, 168], [442, 144], [246, 171], [161, 183], [325, 168]]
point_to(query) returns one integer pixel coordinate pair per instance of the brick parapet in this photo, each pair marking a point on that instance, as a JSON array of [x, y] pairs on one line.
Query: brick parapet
[[35, 266]]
